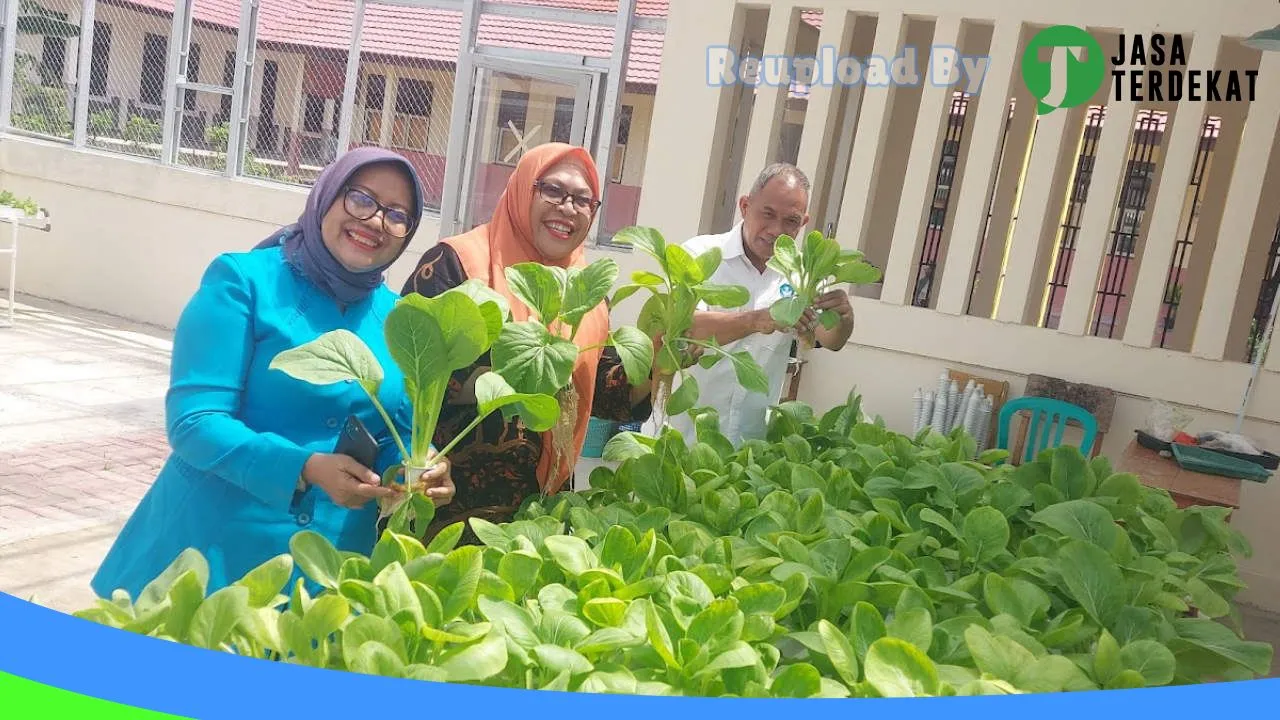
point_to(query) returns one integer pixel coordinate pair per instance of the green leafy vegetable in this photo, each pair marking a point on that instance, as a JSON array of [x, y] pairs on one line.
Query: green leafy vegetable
[[809, 268], [429, 339], [537, 356], [837, 559], [667, 317]]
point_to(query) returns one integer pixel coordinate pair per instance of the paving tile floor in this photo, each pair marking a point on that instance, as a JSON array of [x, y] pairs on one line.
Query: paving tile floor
[[82, 437]]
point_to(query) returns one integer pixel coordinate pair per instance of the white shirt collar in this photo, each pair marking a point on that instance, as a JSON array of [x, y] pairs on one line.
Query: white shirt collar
[[731, 243]]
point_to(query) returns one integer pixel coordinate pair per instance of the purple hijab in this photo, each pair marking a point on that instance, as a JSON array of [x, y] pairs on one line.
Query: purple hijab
[[303, 242]]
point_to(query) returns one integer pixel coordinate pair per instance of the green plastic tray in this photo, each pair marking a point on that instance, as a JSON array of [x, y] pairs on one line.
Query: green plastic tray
[[1198, 459]]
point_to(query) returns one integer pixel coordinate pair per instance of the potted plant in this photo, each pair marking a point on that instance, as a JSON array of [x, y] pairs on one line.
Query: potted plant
[[14, 208]]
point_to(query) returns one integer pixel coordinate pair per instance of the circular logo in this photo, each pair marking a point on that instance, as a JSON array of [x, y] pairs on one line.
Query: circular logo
[[1063, 66], [786, 290]]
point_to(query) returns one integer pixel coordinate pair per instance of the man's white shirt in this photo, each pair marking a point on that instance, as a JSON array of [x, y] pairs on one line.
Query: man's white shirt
[[742, 412]]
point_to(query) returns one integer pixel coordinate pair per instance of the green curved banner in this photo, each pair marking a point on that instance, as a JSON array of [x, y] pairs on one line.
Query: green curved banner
[[22, 699]]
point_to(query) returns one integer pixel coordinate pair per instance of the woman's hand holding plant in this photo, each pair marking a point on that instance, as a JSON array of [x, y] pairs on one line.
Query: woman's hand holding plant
[[437, 482], [347, 482]]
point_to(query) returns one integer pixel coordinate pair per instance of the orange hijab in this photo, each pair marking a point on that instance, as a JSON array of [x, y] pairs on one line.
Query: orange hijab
[[506, 240]]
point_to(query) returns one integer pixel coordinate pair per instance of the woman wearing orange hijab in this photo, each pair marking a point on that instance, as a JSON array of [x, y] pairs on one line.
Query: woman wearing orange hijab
[[542, 216]]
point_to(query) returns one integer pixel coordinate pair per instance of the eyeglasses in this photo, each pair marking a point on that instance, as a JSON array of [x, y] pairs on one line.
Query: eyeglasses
[[556, 195], [362, 206]]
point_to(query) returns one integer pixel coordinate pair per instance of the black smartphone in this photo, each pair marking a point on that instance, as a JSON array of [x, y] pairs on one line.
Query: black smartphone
[[357, 442]]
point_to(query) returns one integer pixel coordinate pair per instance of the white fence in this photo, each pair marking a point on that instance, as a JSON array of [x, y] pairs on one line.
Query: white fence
[[273, 89]]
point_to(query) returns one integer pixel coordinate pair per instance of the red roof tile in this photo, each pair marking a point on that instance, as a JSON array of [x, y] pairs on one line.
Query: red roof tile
[[644, 8], [432, 35]]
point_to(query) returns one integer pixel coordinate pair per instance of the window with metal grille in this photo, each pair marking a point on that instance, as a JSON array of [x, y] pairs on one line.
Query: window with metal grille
[[193, 75], [1129, 226], [991, 200], [1172, 297], [100, 62], [53, 59], [513, 107], [313, 114], [375, 92], [944, 177], [1084, 177], [1130, 209], [1069, 232], [1138, 180], [268, 137], [619, 160], [1266, 297], [267, 99], [1137, 185], [625, 114], [155, 50], [562, 124], [413, 114], [228, 80], [194, 130]]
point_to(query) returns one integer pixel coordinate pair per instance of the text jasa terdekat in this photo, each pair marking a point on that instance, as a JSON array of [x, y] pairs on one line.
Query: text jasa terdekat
[[1154, 69]]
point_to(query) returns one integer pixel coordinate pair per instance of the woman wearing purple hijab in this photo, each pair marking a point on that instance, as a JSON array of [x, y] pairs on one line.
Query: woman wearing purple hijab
[[252, 460]]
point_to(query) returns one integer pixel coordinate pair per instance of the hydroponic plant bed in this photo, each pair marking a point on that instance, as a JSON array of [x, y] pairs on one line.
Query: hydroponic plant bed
[[836, 558]]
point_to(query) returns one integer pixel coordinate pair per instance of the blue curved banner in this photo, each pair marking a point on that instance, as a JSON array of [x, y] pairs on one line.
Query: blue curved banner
[[82, 657]]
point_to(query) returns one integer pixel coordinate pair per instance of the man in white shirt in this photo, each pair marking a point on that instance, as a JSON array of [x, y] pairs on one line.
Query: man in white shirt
[[776, 205]]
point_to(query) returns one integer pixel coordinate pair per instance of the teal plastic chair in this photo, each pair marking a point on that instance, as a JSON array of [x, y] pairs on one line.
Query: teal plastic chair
[[599, 433], [1046, 415]]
